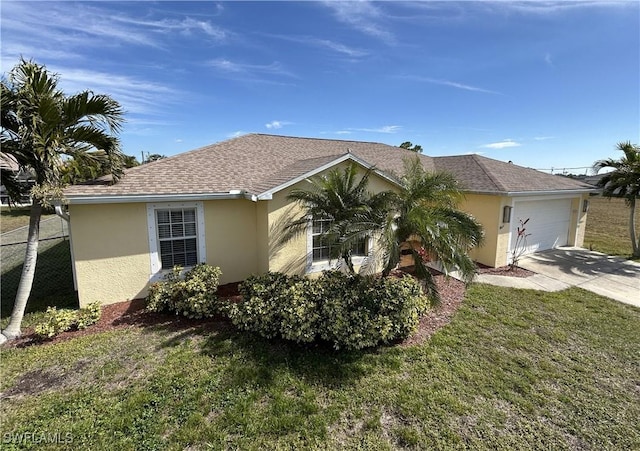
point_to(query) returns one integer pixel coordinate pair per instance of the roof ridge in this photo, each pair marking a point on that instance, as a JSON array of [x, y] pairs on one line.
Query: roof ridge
[[485, 169], [319, 139]]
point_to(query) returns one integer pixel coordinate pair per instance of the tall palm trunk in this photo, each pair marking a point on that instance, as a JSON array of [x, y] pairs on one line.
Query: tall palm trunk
[[632, 227], [28, 271]]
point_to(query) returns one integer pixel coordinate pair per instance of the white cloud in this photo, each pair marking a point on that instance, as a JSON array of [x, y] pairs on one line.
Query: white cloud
[[383, 129], [185, 26], [364, 16], [502, 144], [276, 124], [341, 48], [178, 140], [547, 59], [236, 134], [543, 138], [551, 7], [249, 72], [337, 47], [81, 26], [135, 95], [449, 83]]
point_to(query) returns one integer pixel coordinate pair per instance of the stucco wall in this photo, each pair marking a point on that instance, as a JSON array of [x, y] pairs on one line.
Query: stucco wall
[[579, 218], [231, 238], [487, 209], [111, 251]]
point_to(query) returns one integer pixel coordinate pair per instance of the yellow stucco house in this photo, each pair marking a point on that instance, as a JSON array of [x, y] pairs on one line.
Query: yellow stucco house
[[226, 204]]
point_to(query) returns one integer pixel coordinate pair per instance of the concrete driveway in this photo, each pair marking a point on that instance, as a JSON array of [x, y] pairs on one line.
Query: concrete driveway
[[560, 268]]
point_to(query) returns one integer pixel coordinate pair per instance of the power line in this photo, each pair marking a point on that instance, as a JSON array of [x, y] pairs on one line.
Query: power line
[[563, 170]]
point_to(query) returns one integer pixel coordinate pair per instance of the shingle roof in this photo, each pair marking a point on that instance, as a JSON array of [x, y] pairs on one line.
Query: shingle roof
[[254, 163], [482, 174], [257, 163]]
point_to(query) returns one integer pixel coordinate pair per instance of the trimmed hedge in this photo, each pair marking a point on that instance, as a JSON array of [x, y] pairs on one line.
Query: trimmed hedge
[[193, 295], [348, 311]]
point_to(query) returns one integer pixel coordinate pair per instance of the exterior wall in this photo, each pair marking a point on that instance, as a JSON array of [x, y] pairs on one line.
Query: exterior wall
[[579, 218], [231, 238], [111, 252], [262, 236], [487, 209], [111, 247]]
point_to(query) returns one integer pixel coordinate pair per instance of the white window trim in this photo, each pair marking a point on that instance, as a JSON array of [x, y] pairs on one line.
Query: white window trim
[[152, 231], [323, 265]]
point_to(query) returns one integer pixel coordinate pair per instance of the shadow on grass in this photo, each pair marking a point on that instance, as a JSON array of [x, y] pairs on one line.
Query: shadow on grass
[[52, 283], [260, 361]]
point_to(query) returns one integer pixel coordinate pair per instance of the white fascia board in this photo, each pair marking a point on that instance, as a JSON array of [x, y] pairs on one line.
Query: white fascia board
[[119, 199], [268, 195], [533, 193]]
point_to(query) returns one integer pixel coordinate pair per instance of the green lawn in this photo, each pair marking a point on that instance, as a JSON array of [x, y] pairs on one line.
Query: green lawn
[[608, 226], [514, 370], [13, 218]]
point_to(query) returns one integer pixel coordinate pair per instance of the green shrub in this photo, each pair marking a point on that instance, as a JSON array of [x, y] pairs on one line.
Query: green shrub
[[58, 321], [359, 312], [193, 296], [264, 299], [88, 315], [350, 312]]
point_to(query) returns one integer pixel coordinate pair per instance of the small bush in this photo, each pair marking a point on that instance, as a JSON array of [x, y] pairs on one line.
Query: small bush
[[350, 312], [359, 312], [88, 315], [193, 296], [58, 321]]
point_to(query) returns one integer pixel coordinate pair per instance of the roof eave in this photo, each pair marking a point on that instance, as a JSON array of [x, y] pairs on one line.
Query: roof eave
[[131, 198], [268, 195], [534, 193]]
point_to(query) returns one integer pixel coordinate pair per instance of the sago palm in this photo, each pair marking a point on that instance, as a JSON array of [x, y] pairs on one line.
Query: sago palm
[[41, 127], [623, 181]]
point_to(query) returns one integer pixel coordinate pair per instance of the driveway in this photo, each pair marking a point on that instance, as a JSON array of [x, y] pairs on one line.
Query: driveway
[[560, 268]]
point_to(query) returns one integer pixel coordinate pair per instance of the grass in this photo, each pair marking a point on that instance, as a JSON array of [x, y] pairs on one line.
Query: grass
[[52, 284], [16, 217], [515, 369], [607, 228]]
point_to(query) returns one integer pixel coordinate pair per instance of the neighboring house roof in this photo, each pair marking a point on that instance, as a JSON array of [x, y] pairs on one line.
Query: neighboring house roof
[[258, 164]]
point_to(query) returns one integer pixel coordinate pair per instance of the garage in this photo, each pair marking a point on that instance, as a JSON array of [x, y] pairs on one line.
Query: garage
[[548, 225]]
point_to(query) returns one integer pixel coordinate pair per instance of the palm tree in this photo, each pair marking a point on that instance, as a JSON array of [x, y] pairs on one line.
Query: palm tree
[[426, 217], [41, 126], [350, 211], [623, 181]]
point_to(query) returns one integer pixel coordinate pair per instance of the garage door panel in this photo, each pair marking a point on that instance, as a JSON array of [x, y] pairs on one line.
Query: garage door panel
[[548, 224]]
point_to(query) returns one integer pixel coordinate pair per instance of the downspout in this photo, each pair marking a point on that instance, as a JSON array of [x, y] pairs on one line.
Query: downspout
[[60, 212]]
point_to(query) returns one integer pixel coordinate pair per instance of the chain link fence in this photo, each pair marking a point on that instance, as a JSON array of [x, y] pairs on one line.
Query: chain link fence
[[53, 280]]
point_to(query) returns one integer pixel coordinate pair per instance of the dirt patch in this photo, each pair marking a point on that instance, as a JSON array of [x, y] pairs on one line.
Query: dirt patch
[[40, 380]]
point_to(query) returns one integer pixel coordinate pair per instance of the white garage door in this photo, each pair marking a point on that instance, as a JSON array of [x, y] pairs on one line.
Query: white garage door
[[548, 225]]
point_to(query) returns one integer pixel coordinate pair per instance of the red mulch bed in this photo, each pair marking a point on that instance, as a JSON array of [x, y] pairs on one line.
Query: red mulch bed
[[132, 314], [504, 271]]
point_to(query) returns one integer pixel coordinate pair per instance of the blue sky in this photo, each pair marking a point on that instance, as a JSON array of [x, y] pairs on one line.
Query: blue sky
[[544, 84]]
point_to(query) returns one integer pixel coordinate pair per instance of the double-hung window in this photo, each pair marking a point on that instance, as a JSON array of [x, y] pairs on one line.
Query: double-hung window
[[176, 235], [320, 250]]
